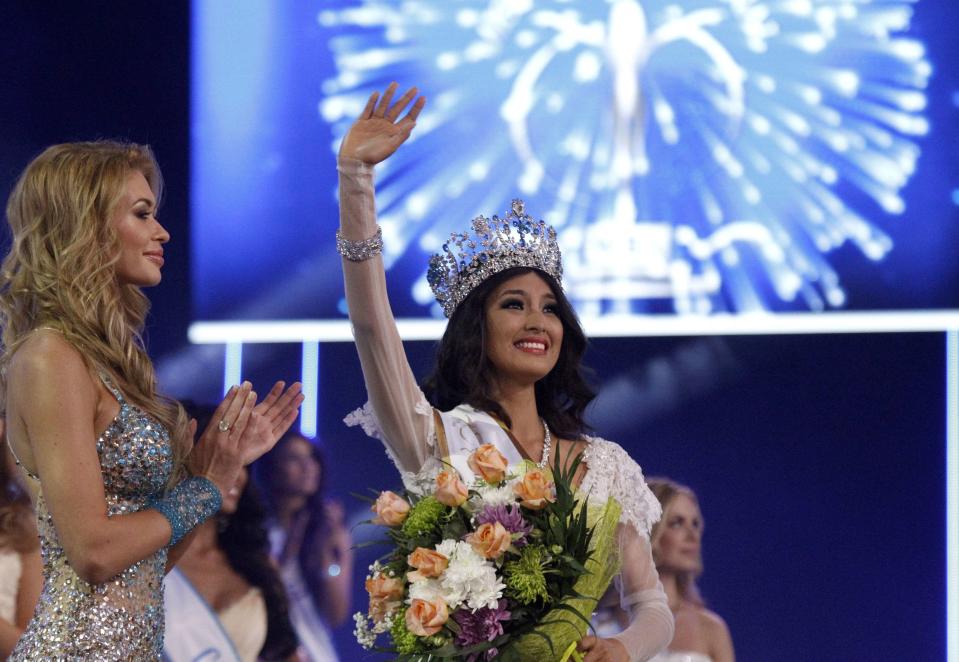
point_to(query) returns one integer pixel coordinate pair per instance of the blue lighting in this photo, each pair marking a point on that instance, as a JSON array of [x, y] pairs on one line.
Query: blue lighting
[[702, 156], [952, 496], [696, 156], [232, 365], [310, 376]]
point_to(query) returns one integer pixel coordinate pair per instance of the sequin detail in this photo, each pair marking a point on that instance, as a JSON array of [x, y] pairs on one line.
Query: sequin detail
[[121, 619], [189, 503]]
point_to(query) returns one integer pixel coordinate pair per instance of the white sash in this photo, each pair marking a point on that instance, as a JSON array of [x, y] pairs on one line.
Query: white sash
[[467, 429], [193, 632]]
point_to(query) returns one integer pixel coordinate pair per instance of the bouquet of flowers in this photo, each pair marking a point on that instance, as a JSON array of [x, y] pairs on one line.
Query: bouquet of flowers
[[509, 567]]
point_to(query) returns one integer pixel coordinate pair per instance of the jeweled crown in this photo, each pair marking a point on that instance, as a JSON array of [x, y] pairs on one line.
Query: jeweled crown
[[497, 244]]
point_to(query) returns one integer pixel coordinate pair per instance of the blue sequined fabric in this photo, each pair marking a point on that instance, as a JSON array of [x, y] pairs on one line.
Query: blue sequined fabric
[[121, 619], [189, 503]]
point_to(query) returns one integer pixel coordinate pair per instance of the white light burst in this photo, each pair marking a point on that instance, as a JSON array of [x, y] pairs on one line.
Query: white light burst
[[694, 155]]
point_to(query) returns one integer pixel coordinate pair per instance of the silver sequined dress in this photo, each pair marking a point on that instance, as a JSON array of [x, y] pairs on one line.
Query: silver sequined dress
[[121, 619]]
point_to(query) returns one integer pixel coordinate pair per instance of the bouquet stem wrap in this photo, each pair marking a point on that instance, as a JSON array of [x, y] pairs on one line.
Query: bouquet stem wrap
[[556, 635]]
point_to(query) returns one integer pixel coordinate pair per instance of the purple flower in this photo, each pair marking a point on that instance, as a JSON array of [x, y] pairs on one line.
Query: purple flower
[[478, 626], [510, 516]]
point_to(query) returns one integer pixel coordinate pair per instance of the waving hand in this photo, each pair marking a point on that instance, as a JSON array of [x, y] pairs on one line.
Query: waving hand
[[378, 131]]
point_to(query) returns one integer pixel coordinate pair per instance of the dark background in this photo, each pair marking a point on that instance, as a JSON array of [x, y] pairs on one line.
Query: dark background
[[819, 460]]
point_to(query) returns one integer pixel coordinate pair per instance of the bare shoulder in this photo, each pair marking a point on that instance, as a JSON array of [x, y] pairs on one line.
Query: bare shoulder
[[46, 355], [710, 621], [717, 634]]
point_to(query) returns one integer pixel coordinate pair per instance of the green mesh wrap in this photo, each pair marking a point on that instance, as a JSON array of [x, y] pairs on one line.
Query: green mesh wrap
[[560, 627]]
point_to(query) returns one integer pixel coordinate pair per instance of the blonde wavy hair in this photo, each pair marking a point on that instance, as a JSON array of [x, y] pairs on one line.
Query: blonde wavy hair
[[60, 271], [666, 490]]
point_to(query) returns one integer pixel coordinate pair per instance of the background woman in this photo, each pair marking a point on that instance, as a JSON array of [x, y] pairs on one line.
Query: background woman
[[701, 635], [309, 540], [108, 453], [19, 554], [508, 367], [225, 593]]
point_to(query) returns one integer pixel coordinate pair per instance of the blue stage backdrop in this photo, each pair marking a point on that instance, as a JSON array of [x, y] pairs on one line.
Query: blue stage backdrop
[[697, 156]]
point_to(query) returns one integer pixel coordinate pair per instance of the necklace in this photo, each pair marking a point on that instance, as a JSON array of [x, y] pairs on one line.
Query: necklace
[[547, 446]]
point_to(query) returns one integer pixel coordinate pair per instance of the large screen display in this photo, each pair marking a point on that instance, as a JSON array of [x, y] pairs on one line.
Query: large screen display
[[695, 156]]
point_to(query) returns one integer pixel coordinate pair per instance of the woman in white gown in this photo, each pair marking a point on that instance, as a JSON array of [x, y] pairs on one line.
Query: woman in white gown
[[508, 367], [701, 635]]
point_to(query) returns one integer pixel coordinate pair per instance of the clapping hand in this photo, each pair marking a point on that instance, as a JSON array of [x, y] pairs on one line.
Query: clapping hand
[[270, 420], [241, 431], [376, 133]]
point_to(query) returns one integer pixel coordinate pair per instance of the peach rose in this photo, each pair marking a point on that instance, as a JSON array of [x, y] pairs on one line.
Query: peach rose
[[390, 508], [534, 489], [488, 463], [385, 595], [490, 540], [450, 490], [428, 563], [426, 617]]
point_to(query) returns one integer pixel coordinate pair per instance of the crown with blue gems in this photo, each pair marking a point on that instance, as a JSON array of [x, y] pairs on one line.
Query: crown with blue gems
[[497, 244]]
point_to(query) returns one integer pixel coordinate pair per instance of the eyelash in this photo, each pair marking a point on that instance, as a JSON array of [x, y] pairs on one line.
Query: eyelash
[[509, 303]]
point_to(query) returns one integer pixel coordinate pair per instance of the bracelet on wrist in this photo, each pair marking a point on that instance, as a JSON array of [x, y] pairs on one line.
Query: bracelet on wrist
[[364, 249], [190, 503]]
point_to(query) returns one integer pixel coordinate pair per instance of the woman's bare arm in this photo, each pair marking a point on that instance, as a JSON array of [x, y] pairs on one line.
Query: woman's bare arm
[[52, 405]]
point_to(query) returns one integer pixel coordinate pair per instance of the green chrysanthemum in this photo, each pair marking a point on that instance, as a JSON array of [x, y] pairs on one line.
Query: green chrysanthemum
[[524, 577], [423, 517], [406, 642]]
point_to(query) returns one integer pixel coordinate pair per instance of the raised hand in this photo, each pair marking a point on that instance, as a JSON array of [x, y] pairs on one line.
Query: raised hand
[[376, 134], [270, 420], [217, 454], [241, 431]]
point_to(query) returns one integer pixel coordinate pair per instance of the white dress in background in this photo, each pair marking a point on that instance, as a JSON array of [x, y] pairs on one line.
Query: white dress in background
[[11, 567], [194, 631], [312, 631], [681, 656], [398, 414]]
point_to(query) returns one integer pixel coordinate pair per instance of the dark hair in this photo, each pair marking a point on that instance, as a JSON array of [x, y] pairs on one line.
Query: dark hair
[[243, 538], [17, 530], [265, 473], [463, 371]]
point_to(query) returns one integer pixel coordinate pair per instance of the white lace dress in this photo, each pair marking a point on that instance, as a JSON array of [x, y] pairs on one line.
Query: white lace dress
[[399, 415]]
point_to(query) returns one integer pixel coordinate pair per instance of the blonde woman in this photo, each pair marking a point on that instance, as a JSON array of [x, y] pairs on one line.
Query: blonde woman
[[119, 486], [701, 635]]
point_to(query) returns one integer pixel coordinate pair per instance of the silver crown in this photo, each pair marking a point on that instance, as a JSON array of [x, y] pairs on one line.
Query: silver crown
[[497, 244]]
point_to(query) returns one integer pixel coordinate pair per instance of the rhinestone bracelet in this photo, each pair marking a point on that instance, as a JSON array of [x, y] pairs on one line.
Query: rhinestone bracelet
[[364, 249], [191, 502]]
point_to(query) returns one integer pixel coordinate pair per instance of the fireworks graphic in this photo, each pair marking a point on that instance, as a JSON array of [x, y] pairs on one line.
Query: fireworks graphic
[[695, 156]]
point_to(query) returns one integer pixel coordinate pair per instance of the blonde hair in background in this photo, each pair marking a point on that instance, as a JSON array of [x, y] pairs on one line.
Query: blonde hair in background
[[60, 271], [666, 490]]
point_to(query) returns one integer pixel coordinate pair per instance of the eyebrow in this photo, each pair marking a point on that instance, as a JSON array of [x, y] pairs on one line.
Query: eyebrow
[[146, 200], [523, 293]]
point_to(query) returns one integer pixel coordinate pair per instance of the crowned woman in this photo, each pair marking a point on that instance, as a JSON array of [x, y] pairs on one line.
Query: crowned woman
[[508, 372]]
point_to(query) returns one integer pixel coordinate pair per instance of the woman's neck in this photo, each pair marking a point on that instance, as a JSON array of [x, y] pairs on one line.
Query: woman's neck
[[205, 539], [519, 403], [671, 587], [287, 508]]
